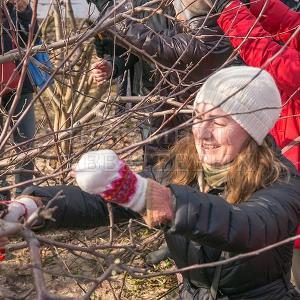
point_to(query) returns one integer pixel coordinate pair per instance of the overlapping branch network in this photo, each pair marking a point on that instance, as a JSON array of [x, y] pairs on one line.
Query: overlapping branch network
[[74, 116]]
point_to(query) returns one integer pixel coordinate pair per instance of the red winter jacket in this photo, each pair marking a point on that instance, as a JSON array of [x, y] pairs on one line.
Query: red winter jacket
[[277, 25]]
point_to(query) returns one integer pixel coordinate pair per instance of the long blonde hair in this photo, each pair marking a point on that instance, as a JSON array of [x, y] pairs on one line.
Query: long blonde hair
[[254, 168]]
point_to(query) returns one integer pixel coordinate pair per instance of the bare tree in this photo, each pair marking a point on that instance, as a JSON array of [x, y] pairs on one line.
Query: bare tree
[[75, 116]]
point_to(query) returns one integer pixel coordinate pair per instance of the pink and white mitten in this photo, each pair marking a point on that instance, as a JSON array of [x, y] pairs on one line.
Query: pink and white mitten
[[21, 207], [103, 173]]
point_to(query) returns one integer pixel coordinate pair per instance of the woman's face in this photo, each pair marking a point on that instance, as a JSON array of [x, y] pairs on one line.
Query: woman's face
[[218, 138]]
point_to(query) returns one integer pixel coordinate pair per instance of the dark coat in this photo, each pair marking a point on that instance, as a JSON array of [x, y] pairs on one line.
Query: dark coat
[[21, 22], [195, 52], [204, 226]]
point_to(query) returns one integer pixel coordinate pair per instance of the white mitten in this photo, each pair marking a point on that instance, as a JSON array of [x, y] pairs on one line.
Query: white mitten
[[103, 173], [21, 207]]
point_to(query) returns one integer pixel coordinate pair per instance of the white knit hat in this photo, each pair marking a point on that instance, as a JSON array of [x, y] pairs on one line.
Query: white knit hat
[[189, 9], [248, 94]]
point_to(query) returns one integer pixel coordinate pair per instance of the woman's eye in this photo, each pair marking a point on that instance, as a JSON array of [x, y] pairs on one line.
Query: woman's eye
[[219, 124]]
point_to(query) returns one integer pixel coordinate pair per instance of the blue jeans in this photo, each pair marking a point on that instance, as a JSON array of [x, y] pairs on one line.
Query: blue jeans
[[24, 132]]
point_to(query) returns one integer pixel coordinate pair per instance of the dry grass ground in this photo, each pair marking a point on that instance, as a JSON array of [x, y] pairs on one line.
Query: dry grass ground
[[15, 273]]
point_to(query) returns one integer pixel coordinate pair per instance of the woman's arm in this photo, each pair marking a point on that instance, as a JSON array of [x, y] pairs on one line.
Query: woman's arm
[[270, 216], [78, 209], [257, 48], [278, 20], [154, 46], [176, 50]]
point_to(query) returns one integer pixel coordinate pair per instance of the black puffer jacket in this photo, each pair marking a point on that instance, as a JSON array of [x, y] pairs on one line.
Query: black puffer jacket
[[195, 52], [204, 226]]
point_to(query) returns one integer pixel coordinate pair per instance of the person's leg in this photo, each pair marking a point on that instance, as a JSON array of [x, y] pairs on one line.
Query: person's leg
[[24, 132], [296, 268]]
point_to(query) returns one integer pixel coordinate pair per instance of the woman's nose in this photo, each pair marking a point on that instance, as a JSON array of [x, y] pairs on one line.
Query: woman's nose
[[202, 131]]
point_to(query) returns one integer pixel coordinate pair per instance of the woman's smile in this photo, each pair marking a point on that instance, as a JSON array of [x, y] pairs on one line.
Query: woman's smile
[[209, 147]]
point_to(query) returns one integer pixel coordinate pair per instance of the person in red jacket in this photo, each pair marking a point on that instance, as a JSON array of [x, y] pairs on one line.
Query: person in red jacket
[[282, 61], [267, 35]]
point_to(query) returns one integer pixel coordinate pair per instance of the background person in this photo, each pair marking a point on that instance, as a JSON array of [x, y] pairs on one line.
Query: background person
[[20, 13]]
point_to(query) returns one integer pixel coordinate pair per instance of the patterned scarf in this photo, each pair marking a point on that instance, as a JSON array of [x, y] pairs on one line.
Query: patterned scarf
[[215, 177]]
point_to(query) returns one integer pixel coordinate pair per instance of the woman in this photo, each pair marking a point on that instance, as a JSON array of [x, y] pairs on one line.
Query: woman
[[231, 192], [273, 43]]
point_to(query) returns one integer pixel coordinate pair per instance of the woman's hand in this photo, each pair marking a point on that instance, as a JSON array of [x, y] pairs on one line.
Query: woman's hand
[[101, 71], [159, 208]]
